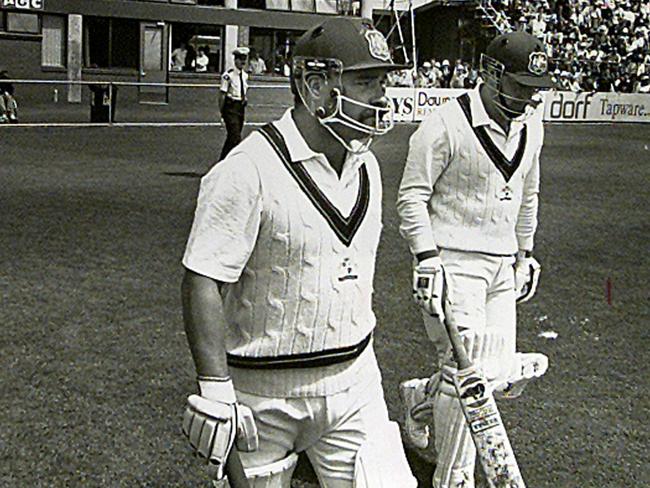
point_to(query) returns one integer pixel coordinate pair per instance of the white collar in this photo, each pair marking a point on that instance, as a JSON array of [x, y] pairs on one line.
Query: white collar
[[480, 116], [299, 150]]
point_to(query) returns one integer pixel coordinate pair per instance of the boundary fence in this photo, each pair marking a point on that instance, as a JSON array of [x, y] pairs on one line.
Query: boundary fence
[[128, 103], [413, 104], [42, 103]]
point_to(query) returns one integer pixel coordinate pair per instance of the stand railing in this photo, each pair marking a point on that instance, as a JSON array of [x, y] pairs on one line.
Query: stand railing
[[494, 18]]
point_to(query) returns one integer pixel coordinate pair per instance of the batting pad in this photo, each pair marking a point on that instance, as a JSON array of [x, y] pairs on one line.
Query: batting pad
[[527, 367], [456, 451]]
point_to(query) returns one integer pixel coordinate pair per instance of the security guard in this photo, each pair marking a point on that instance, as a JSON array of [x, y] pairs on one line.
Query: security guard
[[232, 100]]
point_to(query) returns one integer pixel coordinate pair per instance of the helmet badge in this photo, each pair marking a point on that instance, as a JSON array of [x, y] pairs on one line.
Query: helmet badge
[[377, 45], [538, 63]]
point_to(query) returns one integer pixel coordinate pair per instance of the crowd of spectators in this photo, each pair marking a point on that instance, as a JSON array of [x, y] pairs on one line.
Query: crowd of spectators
[[437, 74], [594, 45]]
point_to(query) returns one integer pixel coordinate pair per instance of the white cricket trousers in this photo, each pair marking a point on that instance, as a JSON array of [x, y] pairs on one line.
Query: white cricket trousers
[[331, 430]]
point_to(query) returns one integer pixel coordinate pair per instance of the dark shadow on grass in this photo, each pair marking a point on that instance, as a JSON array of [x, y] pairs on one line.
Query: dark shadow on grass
[[184, 174]]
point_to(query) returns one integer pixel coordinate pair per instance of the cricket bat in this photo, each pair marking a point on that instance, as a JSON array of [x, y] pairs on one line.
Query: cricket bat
[[485, 425], [235, 471]]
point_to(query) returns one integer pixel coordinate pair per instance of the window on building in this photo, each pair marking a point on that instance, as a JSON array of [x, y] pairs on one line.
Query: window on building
[[274, 47], [342, 7], [111, 43], [212, 3], [257, 4], [53, 48], [188, 39], [20, 23]]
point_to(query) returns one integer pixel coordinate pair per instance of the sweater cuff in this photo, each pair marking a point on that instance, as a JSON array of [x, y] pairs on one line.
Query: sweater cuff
[[421, 256]]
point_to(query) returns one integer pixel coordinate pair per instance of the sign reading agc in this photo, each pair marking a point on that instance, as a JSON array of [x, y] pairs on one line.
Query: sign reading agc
[[24, 4]]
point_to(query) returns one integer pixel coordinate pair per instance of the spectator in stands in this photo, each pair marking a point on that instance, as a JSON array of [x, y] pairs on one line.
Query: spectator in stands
[[624, 84], [202, 59], [643, 85], [8, 104], [574, 84], [538, 26], [458, 76], [402, 77], [445, 80], [472, 78], [256, 65], [424, 76], [179, 56], [639, 44], [435, 75]]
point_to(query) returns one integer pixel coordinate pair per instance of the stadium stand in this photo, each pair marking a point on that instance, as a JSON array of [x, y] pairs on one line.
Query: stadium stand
[[601, 45], [598, 45]]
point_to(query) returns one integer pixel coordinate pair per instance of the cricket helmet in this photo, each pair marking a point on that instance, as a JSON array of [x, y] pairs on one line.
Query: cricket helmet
[[335, 46], [521, 57]]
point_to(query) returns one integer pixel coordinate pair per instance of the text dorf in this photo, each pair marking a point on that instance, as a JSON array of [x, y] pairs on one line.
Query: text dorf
[[570, 107]]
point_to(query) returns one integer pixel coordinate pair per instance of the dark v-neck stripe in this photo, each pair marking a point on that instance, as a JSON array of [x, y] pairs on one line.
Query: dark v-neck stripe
[[505, 166], [344, 227]]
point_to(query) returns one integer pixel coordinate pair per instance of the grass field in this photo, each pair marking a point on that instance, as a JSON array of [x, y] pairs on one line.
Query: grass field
[[93, 358]]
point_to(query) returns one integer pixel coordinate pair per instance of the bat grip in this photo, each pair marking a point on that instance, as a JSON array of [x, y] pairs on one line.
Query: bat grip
[[457, 346]]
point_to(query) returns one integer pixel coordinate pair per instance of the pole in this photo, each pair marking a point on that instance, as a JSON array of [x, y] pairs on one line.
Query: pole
[[414, 47], [110, 103], [398, 20]]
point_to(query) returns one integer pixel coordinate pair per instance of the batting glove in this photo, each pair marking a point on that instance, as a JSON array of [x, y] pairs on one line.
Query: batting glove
[[527, 271], [430, 286], [213, 421]]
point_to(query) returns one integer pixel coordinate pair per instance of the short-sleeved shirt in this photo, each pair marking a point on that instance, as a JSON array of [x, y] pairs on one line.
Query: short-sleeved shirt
[[234, 83]]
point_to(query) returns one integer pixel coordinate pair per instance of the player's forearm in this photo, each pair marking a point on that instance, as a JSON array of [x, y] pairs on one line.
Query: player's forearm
[[527, 225], [204, 324], [415, 224], [527, 218], [429, 155], [413, 199]]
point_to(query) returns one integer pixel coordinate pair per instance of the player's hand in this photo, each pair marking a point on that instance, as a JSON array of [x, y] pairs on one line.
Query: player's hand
[[210, 427], [527, 271], [430, 286], [213, 422], [247, 439]]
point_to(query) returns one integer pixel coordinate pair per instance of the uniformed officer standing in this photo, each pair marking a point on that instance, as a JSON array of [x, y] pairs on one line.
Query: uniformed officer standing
[[232, 100]]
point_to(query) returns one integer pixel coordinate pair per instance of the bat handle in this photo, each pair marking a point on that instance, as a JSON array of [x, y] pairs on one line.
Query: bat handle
[[235, 471], [457, 345]]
